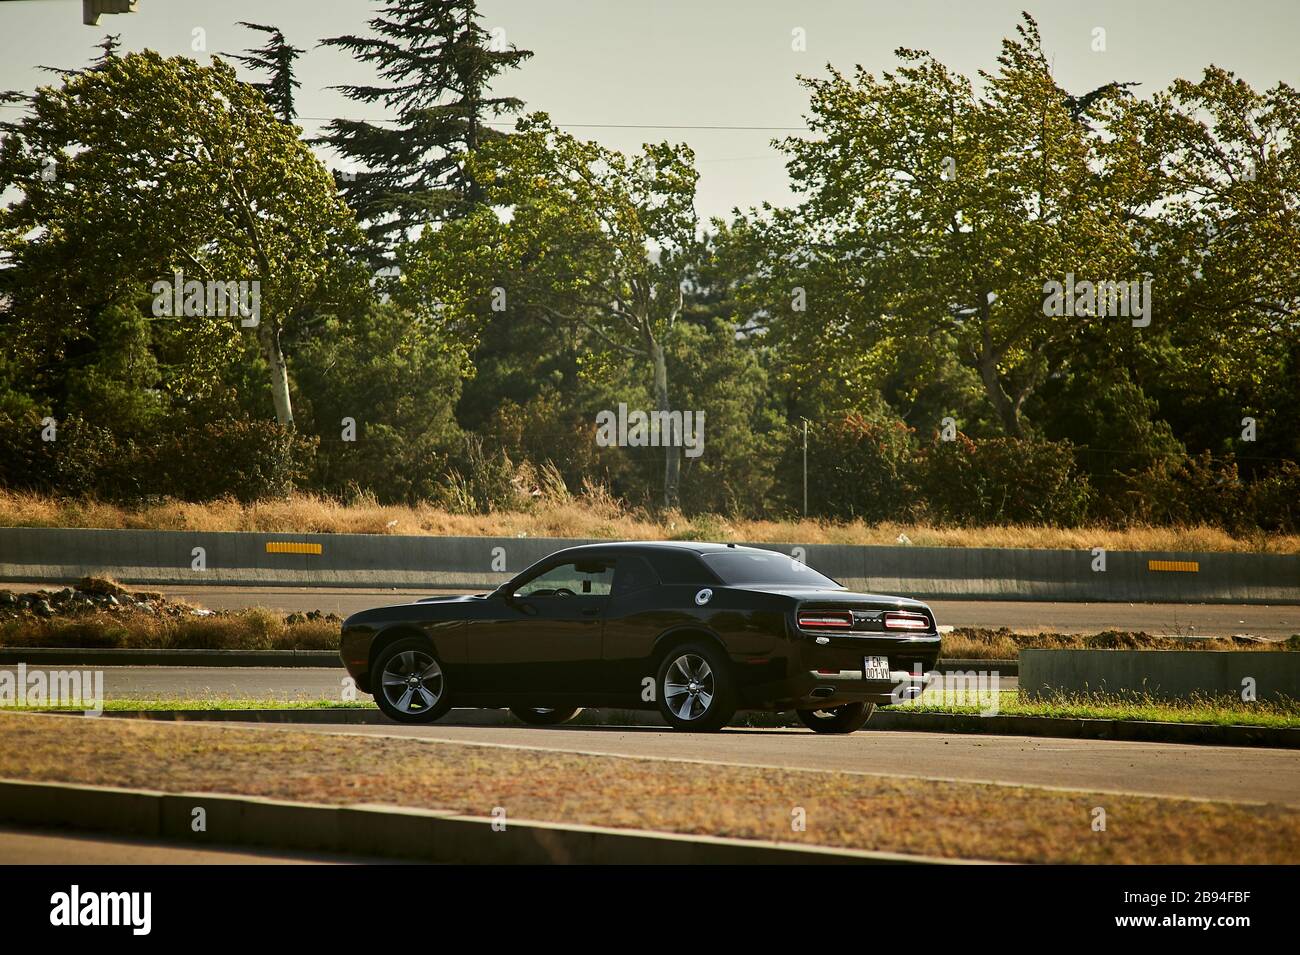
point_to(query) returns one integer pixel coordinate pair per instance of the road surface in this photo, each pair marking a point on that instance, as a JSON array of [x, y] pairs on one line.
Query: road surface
[[1157, 769], [245, 683], [1273, 621]]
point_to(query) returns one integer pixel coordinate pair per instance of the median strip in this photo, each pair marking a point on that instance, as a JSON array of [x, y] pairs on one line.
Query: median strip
[[843, 811]]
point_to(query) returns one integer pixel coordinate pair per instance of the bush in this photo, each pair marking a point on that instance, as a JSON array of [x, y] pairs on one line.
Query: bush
[[1273, 500], [1002, 481], [481, 482], [858, 468], [246, 460], [1200, 490]]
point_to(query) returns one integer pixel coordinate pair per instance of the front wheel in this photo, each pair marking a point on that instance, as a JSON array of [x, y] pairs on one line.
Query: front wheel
[[696, 691], [545, 715], [840, 719], [410, 686]]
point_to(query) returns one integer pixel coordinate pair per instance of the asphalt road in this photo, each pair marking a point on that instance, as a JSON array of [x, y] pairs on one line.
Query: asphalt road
[[1276, 622], [250, 683], [1158, 769]]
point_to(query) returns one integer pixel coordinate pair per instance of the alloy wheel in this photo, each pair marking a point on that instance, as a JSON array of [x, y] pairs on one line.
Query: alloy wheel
[[412, 682], [689, 686]]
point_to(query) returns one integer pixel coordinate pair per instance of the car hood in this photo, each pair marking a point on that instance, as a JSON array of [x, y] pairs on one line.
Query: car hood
[[386, 612]]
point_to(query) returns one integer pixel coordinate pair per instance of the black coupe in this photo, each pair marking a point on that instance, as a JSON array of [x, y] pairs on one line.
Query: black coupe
[[698, 631]]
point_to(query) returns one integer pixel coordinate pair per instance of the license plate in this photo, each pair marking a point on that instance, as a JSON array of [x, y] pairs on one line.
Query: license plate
[[875, 668]]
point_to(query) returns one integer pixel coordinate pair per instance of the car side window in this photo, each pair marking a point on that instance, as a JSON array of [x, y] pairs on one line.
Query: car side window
[[574, 579], [632, 574], [681, 567]]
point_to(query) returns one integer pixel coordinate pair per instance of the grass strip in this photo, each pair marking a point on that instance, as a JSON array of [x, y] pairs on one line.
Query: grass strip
[[952, 819], [1221, 711], [1209, 710]]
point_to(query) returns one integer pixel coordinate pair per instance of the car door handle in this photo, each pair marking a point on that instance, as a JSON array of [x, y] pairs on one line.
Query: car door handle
[[591, 611]]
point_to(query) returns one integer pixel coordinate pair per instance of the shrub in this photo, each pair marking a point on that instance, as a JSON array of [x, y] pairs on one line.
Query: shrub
[[858, 468], [1273, 500], [1002, 481], [1200, 490], [246, 460]]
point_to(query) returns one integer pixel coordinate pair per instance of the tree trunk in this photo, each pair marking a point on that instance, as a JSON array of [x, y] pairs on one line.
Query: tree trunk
[[1008, 410], [269, 337], [672, 442]]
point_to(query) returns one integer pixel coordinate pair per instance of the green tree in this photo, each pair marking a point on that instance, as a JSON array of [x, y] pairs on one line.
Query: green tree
[[275, 59], [586, 238], [934, 215], [1229, 243], [147, 166], [436, 64]]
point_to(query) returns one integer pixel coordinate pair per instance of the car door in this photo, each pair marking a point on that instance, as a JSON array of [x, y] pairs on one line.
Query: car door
[[545, 640]]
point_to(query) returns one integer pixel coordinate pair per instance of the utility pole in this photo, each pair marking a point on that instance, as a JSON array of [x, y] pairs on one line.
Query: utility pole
[[805, 467]]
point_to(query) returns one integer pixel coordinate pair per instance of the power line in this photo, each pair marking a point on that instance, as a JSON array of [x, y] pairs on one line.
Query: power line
[[508, 125]]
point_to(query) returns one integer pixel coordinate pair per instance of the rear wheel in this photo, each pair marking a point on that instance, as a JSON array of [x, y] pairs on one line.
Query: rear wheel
[[840, 719], [409, 683], [545, 715], [696, 691]]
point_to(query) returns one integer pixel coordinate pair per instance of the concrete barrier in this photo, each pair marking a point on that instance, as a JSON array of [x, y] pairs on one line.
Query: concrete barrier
[[377, 560], [1275, 675]]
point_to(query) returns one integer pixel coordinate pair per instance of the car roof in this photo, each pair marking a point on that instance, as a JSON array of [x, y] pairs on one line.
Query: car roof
[[643, 547]]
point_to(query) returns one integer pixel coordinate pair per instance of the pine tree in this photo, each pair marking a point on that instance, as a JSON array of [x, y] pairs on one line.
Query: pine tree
[[436, 63], [276, 60]]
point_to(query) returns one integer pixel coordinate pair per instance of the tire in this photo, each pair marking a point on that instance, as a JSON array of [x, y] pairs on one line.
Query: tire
[[409, 683], [545, 716], [841, 719], [695, 688]]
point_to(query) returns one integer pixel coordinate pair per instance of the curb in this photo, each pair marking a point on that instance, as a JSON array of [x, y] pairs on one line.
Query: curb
[[1135, 731], [427, 835]]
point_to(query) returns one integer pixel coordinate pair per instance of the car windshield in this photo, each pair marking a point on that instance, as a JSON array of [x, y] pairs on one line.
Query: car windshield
[[748, 567]]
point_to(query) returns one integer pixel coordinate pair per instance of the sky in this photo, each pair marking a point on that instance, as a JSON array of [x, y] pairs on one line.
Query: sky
[[612, 70]]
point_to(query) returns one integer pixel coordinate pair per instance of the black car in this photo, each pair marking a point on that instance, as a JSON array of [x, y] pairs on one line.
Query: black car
[[697, 631]]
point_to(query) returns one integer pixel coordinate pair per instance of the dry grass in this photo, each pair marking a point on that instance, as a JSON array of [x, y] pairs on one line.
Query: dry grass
[[967, 820], [594, 514], [979, 643], [252, 629]]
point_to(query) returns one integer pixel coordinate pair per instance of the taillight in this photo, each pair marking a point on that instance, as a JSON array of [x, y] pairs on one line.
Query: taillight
[[905, 620], [826, 619]]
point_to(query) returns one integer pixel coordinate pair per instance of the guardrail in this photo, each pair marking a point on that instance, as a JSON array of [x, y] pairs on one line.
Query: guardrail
[[377, 560]]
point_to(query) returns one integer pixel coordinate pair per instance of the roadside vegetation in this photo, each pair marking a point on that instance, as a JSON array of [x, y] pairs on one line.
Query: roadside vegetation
[[1224, 710], [595, 514], [978, 643], [452, 292], [1016, 823], [100, 614]]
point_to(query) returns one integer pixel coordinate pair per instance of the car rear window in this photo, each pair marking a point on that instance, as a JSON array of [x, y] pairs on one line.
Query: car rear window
[[767, 567]]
